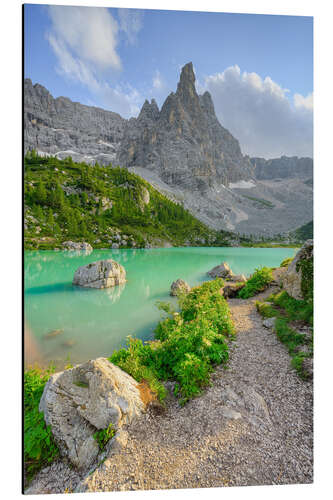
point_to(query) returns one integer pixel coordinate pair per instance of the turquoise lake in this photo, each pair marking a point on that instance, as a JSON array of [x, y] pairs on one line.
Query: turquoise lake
[[92, 323]]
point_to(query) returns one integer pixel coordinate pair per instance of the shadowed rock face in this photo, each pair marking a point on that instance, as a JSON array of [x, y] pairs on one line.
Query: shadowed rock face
[[65, 128], [184, 143], [282, 168]]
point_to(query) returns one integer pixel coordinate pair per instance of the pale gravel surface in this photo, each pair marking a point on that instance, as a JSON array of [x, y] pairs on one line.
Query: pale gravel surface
[[253, 426]]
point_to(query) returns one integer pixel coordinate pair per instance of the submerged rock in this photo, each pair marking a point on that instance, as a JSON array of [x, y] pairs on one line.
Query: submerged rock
[[100, 274], [88, 397], [179, 286], [54, 333], [221, 271]]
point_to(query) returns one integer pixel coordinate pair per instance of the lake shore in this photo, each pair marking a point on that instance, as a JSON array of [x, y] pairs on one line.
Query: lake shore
[[253, 426]]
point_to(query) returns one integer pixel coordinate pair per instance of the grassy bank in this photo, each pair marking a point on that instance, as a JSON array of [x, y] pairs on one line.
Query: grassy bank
[[291, 316]]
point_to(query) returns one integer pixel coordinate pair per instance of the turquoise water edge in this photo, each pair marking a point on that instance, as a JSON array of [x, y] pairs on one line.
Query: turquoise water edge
[[92, 323]]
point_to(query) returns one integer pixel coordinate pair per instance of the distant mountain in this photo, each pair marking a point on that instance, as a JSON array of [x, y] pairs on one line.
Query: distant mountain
[[183, 151], [282, 168]]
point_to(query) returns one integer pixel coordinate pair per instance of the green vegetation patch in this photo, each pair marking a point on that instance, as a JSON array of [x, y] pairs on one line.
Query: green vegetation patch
[[257, 283], [261, 202], [103, 436], [39, 446], [75, 201], [286, 262], [287, 312], [188, 344]]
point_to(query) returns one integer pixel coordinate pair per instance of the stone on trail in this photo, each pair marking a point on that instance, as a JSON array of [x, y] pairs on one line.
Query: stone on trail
[[90, 396], [269, 322]]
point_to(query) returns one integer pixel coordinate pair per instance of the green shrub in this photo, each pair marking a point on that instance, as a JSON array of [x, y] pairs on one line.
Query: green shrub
[[102, 436], [258, 282], [286, 262], [266, 310], [39, 446], [296, 309], [188, 345]]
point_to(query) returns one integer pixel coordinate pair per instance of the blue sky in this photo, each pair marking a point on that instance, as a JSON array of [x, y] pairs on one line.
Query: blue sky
[[258, 68]]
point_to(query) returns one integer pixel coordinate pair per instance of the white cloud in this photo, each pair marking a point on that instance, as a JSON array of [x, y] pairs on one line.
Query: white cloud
[[157, 80], [259, 114], [130, 23], [84, 40], [303, 102], [89, 32]]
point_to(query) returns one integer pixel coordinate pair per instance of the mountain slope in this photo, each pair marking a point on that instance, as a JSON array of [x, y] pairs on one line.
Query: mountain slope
[[104, 206]]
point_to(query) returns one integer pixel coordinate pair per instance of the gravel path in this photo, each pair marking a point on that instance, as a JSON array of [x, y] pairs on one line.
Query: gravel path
[[253, 426]]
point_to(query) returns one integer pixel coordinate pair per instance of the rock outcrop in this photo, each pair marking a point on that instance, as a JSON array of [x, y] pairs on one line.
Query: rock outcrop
[[179, 286], [282, 168], [299, 275], [100, 274], [221, 271], [88, 397], [231, 290], [74, 245]]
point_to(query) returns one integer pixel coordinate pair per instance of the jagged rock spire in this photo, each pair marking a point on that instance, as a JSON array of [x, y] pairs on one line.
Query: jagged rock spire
[[186, 86], [149, 110]]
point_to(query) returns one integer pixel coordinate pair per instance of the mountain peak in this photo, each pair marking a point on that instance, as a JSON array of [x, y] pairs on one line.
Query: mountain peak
[[186, 84]]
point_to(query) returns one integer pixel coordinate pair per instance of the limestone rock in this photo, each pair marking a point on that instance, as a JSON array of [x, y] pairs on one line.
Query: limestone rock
[[269, 323], [235, 278], [179, 286], [100, 274], [230, 290], [74, 245], [292, 279], [221, 271], [87, 397]]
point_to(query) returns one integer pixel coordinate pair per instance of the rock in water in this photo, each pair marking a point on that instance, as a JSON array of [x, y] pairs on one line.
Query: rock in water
[[221, 271], [100, 274], [88, 397], [292, 278], [179, 286]]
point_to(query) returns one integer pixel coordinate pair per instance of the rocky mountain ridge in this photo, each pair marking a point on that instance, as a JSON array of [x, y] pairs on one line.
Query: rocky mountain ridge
[[183, 151]]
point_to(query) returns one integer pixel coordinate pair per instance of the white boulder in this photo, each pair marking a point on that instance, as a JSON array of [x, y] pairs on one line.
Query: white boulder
[[100, 274]]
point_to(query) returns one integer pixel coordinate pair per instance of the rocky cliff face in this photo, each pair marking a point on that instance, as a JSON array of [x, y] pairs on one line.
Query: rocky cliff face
[[65, 128], [282, 168], [184, 144]]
